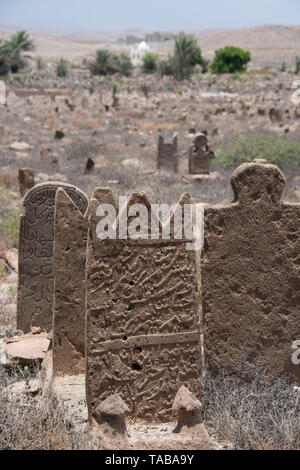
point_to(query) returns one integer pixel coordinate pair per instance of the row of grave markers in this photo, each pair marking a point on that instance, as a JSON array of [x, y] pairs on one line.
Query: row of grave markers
[[199, 155], [126, 312]]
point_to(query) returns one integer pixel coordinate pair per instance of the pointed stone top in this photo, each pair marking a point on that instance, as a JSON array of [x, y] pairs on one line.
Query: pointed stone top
[[185, 198], [113, 405], [185, 400]]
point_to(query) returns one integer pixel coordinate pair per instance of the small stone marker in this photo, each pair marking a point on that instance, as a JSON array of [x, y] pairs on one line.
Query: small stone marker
[[110, 419], [188, 408], [200, 156], [26, 180], [167, 154]]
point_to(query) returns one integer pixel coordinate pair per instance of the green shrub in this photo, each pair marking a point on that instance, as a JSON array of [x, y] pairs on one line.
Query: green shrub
[[106, 63], [11, 59], [268, 147], [166, 67], [186, 55], [150, 63], [62, 68], [101, 65], [283, 66], [125, 65], [115, 89], [230, 60]]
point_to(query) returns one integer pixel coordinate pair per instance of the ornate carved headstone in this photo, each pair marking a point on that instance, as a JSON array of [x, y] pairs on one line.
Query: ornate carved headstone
[[167, 154], [200, 156], [142, 320], [250, 276], [70, 240], [36, 273]]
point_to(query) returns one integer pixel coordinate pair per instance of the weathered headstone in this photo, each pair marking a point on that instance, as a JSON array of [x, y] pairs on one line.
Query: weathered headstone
[[70, 239], [167, 154], [250, 277], [26, 180], [36, 273], [142, 320], [2, 92], [200, 156]]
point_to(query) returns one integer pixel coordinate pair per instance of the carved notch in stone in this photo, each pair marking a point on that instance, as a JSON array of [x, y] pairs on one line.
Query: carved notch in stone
[[250, 277]]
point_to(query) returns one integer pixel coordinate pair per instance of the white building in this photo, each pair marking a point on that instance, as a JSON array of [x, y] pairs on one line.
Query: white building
[[137, 53]]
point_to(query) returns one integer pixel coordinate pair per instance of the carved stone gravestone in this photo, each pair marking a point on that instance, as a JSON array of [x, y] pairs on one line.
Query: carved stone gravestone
[[70, 240], [167, 154], [200, 156], [36, 273], [142, 320], [250, 277]]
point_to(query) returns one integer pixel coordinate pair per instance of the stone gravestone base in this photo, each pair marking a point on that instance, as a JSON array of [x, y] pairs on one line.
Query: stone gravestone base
[[69, 392]]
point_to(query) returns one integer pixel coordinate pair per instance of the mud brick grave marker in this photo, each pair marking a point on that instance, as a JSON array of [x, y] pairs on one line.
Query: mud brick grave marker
[[200, 156], [250, 277], [167, 154]]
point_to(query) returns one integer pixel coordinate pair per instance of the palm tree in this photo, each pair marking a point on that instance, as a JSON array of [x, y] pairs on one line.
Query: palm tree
[[187, 53], [11, 50]]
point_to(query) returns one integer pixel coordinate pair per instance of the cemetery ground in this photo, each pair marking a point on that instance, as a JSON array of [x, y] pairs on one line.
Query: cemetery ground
[[58, 124]]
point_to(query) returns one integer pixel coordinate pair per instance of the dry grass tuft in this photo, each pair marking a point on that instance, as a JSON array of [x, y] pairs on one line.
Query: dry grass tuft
[[255, 416], [27, 424]]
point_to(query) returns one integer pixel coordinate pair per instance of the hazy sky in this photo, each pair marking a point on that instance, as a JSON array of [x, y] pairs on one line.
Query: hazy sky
[[151, 15]]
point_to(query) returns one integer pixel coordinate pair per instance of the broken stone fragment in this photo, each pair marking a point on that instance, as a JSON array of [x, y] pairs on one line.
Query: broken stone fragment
[[35, 330], [188, 408], [20, 146], [27, 349], [111, 415]]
